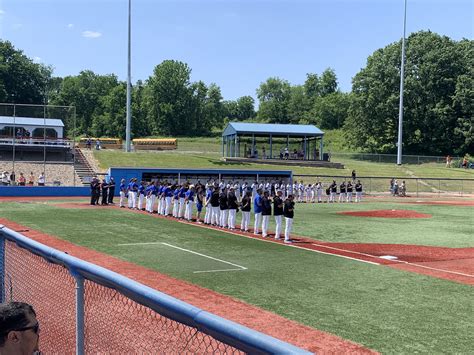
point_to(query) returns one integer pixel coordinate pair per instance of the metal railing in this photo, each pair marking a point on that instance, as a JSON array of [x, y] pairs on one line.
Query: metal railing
[[392, 158], [84, 308]]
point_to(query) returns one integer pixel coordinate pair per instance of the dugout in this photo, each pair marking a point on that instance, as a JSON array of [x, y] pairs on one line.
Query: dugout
[[268, 141], [193, 175]]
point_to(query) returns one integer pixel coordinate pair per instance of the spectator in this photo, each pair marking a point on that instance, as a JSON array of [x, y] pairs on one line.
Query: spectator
[[97, 145], [465, 163], [12, 178], [4, 178], [264, 154], [88, 143], [41, 180], [353, 175], [449, 160], [31, 179], [21, 180], [19, 329], [287, 153]]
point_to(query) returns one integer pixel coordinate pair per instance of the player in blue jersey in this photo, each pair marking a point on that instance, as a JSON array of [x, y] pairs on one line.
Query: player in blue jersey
[[257, 208], [141, 196], [123, 193], [189, 201], [182, 195]]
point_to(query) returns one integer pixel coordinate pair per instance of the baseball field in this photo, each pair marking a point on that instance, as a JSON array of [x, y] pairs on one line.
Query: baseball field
[[393, 275]]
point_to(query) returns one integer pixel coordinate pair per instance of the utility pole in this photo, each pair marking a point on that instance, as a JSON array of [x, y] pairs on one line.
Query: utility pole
[[402, 78]]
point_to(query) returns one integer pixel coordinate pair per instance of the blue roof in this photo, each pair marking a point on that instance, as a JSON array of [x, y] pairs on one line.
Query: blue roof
[[30, 121], [266, 129]]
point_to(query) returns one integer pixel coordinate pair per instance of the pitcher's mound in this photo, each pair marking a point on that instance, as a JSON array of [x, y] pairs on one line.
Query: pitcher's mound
[[388, 214]]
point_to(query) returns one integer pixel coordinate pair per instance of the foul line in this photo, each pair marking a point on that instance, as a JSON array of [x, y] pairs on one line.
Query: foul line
[[240, 268], [321, 252]]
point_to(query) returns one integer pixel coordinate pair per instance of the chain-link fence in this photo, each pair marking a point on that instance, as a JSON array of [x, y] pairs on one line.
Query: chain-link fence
[[392, 158], [83, 308], [413, 186]]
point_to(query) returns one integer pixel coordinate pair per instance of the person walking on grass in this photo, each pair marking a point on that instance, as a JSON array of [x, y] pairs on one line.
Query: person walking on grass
[[288, 212]]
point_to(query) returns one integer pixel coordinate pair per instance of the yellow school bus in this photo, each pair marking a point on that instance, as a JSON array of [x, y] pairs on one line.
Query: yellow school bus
[[155, 144]]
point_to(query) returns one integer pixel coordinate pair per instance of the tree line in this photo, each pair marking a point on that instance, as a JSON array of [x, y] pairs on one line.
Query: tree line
[[438, 95]]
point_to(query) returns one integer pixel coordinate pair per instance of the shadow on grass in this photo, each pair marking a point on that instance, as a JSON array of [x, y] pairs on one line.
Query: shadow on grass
[[226, 163]]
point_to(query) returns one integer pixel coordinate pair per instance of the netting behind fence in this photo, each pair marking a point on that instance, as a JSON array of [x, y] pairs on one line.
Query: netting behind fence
[[114, 323]]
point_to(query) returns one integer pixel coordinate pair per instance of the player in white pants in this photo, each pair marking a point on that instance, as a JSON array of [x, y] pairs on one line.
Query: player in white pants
[[233, 205], [319, 191], [266, 213], [278, 212], [333, 189], [257, 204], [123, 192], [141, 196], [175, 201], [358, 188], [207, 204], [342, 192], [189, 201], [288, 212], [246, 206], [182, 195]]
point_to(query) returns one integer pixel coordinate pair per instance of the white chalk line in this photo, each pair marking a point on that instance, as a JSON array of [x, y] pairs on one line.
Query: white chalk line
[[271, 240], [434, 268], [240, 268], [317, 251], [396, 261]]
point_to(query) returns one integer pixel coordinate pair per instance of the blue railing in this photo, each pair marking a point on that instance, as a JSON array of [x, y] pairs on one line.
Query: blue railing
[[223, 330]]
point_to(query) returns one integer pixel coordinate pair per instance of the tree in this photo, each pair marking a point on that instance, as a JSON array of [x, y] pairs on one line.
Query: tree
[[312, 86], [328, 82], [245, 107], [435, 66], [86, 91], [331, 111], [214, 108], [169, 95], [21, 80], [274, 96], [298, 104]]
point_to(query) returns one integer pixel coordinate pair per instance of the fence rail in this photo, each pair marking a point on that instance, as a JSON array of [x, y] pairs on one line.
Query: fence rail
[[414, 185], [392, 158], [86, 308]]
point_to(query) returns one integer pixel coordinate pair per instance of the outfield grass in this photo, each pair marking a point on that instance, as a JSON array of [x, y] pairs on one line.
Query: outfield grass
[[388, 310]]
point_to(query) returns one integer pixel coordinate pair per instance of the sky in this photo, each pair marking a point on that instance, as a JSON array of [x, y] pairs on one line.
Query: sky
[[237, 44]]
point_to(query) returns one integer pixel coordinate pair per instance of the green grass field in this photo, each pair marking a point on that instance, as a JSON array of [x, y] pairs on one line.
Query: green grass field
[[388, 310]]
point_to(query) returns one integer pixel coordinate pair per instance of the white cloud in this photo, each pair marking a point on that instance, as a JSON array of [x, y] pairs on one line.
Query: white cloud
[[91, 34], [37, 59], [71, 25], [2, 12]]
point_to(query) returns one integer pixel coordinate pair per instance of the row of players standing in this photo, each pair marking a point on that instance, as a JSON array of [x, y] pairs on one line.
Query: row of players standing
[[221, 202]]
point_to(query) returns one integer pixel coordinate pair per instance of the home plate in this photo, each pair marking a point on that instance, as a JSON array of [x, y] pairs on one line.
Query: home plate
[[388, 257]]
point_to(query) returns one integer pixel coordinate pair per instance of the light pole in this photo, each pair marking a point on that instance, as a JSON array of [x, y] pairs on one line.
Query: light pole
[[129, 85], [402, 78]]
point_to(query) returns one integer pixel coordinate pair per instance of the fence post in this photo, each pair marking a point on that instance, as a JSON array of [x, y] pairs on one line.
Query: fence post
[[370, 186], [416, 187], [462, 187], [2, 266], [79, 313], [439, 187]]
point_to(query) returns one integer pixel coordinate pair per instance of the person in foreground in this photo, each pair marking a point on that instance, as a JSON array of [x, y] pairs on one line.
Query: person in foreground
[[19, 329]]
